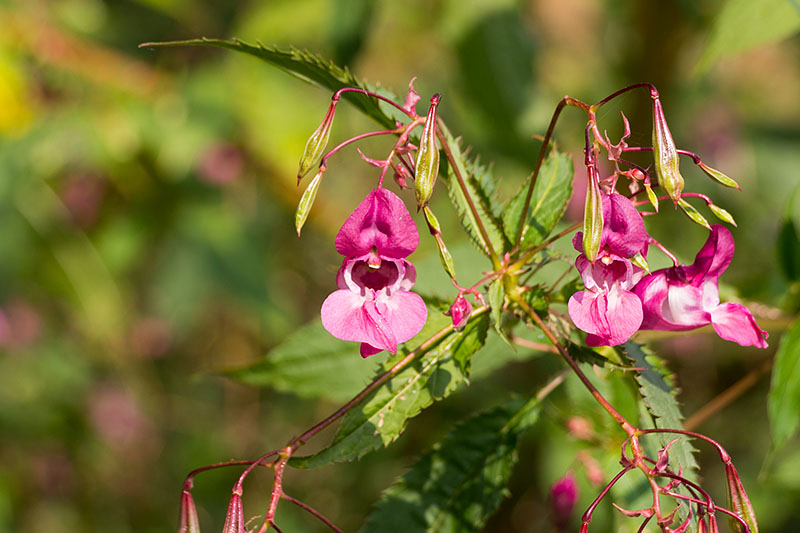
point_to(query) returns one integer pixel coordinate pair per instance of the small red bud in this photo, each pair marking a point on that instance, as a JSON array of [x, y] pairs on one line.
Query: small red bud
[[563, 495], [460, 311]]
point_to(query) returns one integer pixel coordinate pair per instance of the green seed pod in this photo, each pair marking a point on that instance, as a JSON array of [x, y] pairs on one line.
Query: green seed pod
[[427, 166], [306, 201], [692, 213], [739, 503], [315, 146], [593, 217], [722, 214], [666, 155], [718, 176]]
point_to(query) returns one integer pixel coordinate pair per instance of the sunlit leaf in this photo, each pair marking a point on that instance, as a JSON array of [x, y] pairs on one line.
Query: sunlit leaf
[[306, 66], [462, 480], [310, 363], [549, 201], [481, 185], [658, 393]]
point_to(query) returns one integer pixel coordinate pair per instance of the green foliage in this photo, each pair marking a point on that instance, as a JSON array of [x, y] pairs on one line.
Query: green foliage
[[658, 393], [462, 480], [433, 375], [549, 200], [307, 67], [788, 250], [481, 184], [312, 364], [743, 25], [783, 402]]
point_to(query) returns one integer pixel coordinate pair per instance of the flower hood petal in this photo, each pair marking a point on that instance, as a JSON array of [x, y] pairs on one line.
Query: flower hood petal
[[623, 227], [713, 258], [382, 221]]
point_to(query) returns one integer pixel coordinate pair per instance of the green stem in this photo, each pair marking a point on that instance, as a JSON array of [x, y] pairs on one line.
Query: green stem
[[540, 159]]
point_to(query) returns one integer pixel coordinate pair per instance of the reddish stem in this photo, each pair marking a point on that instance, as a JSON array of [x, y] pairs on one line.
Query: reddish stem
[[337, 95], [313, 511]]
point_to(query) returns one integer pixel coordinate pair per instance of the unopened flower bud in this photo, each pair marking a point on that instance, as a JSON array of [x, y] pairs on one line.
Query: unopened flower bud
[[315, 146], [460, 311], [718, 176], [563, 495], [189, 522], [234, 519], [593, 217], [666, 155], [739, 503], [306, 201], [401, 176], [427, 166]]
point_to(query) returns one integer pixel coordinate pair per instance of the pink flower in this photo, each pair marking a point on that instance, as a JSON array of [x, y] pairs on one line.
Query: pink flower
[[687, 297], [373, 305], [607, 310]]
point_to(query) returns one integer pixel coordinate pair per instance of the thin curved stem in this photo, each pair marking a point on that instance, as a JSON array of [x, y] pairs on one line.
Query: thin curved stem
[[312, 511], [623, 423], [338, 94], [470, 204]]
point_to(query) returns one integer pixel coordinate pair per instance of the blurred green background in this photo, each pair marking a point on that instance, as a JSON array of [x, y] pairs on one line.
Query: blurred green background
[[146, 207]]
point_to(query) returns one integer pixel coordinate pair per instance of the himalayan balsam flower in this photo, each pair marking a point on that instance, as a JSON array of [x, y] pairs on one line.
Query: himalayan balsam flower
[[687, 297], [373, 305], [608, 310]]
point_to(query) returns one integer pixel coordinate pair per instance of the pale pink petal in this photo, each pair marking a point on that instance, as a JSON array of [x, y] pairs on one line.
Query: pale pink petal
[[684, 306], [733, 322], [405, 314], [610, 317], [382, 221], [349, 317]]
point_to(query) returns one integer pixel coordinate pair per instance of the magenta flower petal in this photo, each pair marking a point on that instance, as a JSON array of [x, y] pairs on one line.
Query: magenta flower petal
[[714, 257], [609, 317], [623, 227], [381, 221], [348, 316], [733, 322]]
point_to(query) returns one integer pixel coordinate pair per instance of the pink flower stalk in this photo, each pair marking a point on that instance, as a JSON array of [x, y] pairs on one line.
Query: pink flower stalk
[[687, 297], [373, 305], [608, 310]]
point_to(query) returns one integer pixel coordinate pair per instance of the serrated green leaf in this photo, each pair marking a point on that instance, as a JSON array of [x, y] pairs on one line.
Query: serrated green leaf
[[383, 416], [783, 401], [658, 394], [481, 185], [462, 480], [743, 25], [312, 364], [307, 67], [548, 202]]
